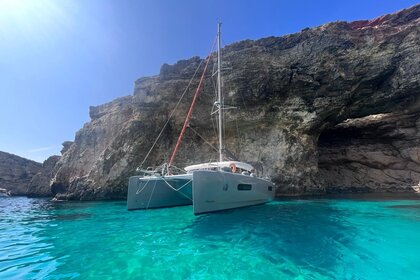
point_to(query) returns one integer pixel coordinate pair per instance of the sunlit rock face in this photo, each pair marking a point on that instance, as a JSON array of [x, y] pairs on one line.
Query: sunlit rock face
[[329, 109]]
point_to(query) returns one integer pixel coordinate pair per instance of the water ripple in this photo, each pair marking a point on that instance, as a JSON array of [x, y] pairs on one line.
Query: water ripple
[[310, 239]]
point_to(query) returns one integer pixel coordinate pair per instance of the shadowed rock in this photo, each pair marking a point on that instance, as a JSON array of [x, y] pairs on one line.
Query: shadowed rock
[[21, 176], [39, 186], [16, 173]]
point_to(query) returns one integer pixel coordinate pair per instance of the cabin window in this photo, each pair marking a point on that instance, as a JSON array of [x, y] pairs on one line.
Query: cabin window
[[244, 187], [270, 188]]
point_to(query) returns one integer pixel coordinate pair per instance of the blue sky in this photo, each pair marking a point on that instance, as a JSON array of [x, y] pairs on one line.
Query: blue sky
[[57, 58]]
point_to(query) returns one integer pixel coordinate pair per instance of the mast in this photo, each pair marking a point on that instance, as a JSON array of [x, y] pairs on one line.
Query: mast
[[219, 93]]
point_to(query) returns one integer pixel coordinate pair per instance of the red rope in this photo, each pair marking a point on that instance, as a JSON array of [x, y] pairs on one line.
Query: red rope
[[187, 119]]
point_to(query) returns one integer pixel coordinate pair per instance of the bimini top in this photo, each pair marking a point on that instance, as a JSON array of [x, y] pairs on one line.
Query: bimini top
[[214, 165]]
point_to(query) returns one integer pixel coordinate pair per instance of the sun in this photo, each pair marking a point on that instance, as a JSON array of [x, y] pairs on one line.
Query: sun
[[29, 19], [11, 5], [25, 9], [16, 10]]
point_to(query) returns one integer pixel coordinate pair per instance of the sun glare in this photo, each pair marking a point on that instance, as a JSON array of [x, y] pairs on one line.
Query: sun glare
[[17, 10], [32, 19], [12, 5]]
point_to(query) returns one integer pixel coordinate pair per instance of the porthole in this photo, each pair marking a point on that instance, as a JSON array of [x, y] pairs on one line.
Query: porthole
[[244, 187]]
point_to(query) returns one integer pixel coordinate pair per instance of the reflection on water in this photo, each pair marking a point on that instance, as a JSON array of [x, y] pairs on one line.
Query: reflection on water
[[310, 238], [306, 233]]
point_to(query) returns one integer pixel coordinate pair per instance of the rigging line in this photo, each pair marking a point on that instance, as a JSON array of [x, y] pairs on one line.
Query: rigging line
[[140, 190], [207, 142], [177, 190], [223, 115], [191, 106], [172, 113], [213, 121], [238, 135], [214, 87], [223, 121], [150, 198], [214, 118], [213, 71], [243, 100]]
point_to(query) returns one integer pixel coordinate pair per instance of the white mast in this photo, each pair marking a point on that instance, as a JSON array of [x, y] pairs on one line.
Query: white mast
[[219, 93]]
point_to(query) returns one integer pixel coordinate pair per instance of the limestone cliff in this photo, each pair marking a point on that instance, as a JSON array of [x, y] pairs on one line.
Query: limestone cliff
[[331, 108], [22, 176], [39, 186], [16, 173]]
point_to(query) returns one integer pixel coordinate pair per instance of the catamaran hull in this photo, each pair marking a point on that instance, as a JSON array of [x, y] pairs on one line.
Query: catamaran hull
[[208, 191], [157, 192], [216, 191]]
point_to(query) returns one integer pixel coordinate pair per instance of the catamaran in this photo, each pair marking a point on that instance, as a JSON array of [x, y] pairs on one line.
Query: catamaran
[[209, 187]]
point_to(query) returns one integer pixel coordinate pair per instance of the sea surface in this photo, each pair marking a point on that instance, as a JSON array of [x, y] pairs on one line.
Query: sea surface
[[319, 238]]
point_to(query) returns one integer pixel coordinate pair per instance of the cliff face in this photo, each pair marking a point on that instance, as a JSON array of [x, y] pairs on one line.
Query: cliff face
[[374, 153], [39, 186], [16, 173], [330, 109], [21, 176]]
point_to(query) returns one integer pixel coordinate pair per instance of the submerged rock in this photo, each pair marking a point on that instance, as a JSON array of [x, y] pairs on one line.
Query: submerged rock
[[330, 109]]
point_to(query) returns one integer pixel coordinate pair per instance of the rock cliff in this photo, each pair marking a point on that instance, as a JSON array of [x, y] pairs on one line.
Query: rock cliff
[[16, 173], [39, 186], [329, 109], [22, 176]]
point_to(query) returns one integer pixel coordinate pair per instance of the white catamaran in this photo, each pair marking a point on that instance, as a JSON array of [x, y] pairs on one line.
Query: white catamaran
[[209, 187]]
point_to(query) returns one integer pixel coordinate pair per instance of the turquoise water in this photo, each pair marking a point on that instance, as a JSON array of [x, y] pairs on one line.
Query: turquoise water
[[291, 239]]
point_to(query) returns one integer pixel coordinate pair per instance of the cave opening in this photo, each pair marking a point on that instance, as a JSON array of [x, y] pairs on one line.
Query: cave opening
[[376, 153]]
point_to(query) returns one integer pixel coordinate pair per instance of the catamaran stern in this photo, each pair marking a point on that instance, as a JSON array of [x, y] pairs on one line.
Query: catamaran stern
[[159, 191], [219, 190]]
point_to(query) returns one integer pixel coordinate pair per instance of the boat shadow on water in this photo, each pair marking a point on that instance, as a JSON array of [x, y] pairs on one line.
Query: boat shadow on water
[[308, 233]]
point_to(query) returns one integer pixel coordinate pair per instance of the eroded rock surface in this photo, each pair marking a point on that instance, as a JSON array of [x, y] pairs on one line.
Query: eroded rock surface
[[39, 186], [16, 173], [293, 95], [21, 176], [374, 153]]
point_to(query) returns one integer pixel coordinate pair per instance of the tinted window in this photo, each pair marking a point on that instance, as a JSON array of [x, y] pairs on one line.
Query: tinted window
[[244, 187]]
